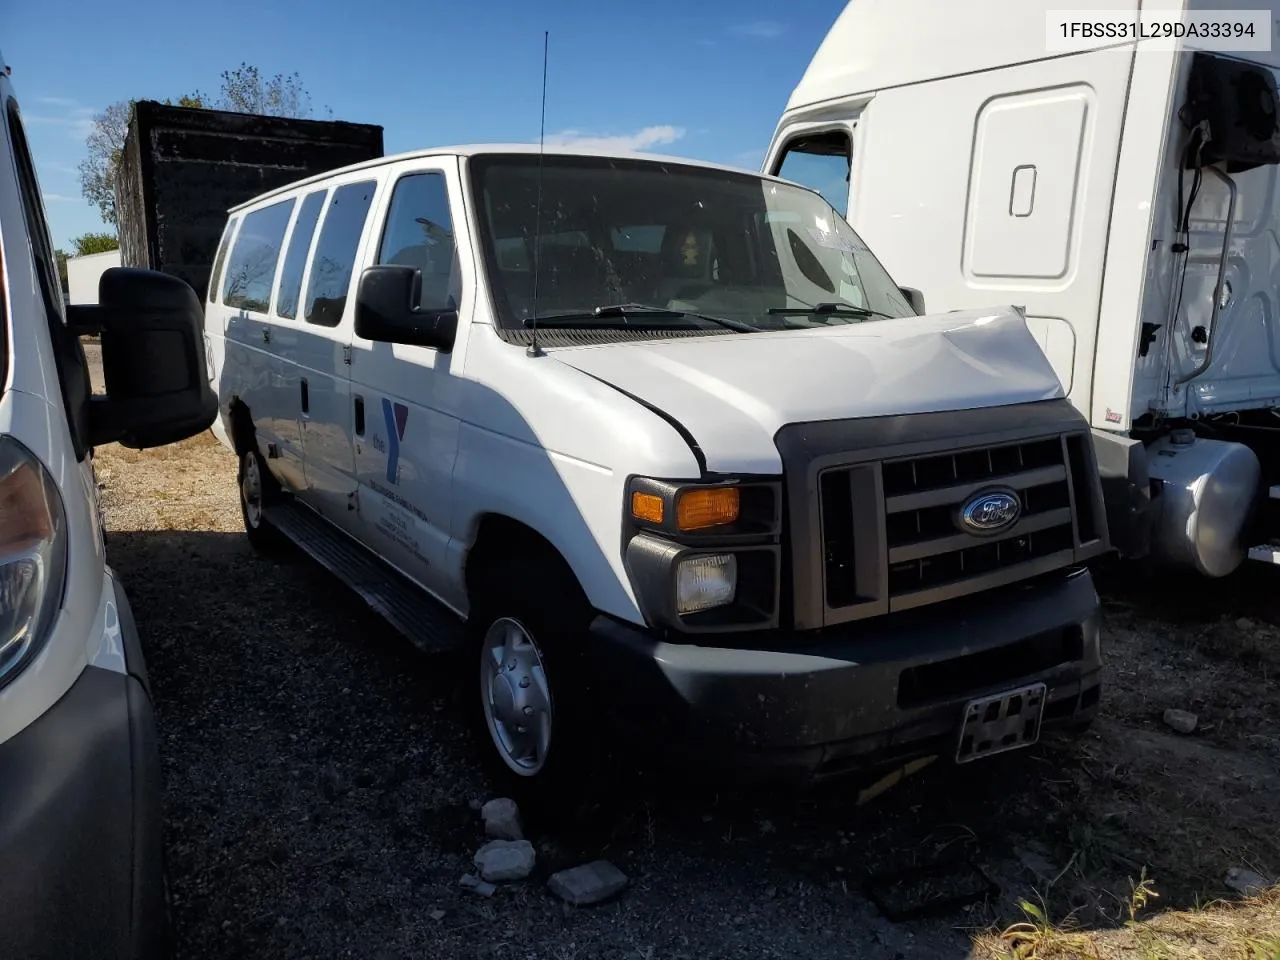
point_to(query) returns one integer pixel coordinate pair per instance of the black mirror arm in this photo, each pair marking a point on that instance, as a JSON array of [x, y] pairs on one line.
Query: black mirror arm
[[430, 325], [88, 320]]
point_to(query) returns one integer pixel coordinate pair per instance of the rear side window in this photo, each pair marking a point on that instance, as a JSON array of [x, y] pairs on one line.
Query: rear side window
[[419, 233], [220, 260], [251, 269], [335, 256], [295, 259]]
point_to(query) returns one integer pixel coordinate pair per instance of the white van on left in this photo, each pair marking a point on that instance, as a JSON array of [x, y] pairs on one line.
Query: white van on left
[[80, 784]]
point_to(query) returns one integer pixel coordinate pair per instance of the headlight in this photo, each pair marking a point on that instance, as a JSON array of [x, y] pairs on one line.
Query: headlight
[[704, 556], [704, 582], [32, 556]]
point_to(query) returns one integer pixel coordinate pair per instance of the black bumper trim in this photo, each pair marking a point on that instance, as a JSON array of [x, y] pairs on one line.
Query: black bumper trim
[[81, 825], [821, 703]]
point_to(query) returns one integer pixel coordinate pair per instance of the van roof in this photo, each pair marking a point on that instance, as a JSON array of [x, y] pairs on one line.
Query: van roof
[[478, 149], [877, 44]]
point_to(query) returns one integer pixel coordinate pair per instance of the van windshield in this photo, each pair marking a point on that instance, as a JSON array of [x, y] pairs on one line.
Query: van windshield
[[643, 243]]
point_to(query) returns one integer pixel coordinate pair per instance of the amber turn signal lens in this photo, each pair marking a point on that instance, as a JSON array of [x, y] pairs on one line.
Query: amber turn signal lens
[[646, 507], [699, 509]]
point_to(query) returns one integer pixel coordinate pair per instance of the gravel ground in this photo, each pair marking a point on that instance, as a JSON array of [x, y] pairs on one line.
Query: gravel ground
[[319, 778]]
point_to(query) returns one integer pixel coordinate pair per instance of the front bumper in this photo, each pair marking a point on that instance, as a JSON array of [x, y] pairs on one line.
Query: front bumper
[[80, 821], [877, 693]]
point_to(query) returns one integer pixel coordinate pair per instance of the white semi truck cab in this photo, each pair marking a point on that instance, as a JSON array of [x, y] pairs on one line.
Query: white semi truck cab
[[1126, 199]]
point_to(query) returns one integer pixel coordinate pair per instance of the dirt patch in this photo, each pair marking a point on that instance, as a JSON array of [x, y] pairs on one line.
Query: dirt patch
[[319, 773]]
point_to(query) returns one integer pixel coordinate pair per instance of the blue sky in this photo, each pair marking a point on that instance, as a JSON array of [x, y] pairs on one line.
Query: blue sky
[[701, 79]]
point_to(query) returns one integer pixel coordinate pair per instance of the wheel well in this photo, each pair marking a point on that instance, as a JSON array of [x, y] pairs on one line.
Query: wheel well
[[501, 541], [242, 431]]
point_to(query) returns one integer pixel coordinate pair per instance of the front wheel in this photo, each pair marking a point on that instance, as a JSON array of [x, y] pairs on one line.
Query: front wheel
[[535, 695]]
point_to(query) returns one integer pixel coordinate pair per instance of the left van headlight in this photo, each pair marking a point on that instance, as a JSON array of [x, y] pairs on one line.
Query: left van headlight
[[33, 556], [704, 556]]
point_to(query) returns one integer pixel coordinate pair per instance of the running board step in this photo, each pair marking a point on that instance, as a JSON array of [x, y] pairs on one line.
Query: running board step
[[428, 624], [1266, 552]]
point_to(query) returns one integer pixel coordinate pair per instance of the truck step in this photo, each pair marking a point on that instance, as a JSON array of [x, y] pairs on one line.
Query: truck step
[[1266, 552], [427, 623]]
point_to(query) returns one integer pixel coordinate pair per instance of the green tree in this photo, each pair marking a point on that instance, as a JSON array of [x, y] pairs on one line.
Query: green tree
[[243, 90], [88, 243], [61, 256]]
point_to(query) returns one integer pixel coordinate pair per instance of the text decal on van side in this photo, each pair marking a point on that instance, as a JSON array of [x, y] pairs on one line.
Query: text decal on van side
[[395, 415]]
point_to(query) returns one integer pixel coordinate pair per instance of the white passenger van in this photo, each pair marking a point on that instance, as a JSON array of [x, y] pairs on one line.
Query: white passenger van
[[1127, 200], [677, 451], [80, 781]]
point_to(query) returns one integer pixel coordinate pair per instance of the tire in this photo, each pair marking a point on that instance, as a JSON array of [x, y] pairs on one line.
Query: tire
[[533, 706], [258, 492]]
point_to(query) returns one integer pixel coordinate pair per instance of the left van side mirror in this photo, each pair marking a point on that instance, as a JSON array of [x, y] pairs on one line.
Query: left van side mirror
[[387, 310], [914, 298], [158, 392]]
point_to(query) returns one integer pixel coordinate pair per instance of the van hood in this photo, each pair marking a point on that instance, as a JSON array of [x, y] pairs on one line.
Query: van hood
[[733, 393]]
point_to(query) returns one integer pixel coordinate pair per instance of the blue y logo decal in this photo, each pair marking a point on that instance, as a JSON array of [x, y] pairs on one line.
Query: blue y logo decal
[[395, 416]]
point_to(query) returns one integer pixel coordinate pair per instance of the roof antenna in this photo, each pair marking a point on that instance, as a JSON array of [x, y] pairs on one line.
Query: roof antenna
[[534, 350]]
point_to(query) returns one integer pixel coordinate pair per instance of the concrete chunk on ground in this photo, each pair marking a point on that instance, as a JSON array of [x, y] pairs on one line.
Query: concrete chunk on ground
[[1180, 720], [500, 860], [502, 819], [588, 884], [1247, 882], [477, 885]]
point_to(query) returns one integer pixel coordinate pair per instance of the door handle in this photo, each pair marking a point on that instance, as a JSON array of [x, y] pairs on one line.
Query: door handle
[[306, 397], [359, 416]]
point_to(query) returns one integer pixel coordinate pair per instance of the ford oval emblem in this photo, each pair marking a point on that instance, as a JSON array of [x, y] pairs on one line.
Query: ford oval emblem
[[989, 512]]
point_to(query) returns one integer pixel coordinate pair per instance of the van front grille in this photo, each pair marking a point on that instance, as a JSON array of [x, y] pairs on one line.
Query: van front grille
[[923, 552]]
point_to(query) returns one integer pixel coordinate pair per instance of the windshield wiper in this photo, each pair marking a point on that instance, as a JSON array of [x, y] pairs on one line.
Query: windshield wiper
[[610, 311], [831, 310]]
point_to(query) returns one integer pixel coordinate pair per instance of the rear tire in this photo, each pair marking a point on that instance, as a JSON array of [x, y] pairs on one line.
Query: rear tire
[[534, 699], [258, 492]]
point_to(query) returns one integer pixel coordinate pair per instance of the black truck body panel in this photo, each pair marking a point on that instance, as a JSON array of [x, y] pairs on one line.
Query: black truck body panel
[[183, 168]]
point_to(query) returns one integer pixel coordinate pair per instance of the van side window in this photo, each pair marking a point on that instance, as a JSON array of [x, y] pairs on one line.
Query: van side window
[[295, 258], [215, 279], [820, 161], [335, 255], [419, 233], [251, 270]]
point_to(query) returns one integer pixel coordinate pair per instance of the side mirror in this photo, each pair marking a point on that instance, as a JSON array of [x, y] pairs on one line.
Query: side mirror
[[915, 298], [387, 310], [153, 361]]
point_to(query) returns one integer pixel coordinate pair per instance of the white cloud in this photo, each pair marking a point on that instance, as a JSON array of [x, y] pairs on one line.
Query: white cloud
[[59, 198], [750, 159], [77, 120], [761, 29], [640, 140]]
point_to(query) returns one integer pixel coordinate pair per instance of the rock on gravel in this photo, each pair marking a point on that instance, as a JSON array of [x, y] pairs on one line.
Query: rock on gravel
[[1247, 882], [477, 885], [501, 860], [588, 884], [1180, 720], [502, 819]]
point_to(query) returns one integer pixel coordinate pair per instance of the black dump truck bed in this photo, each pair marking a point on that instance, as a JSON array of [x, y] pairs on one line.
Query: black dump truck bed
[[182, 168]]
